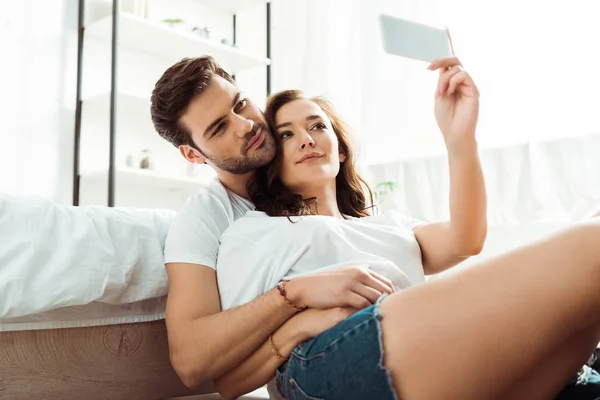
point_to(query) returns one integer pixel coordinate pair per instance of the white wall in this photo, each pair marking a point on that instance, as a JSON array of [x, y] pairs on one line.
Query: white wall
[[309, 54], [38, 96]]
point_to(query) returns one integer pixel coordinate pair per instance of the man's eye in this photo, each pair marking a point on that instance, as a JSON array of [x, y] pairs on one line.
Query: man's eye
[[241, 105], [218, 129]]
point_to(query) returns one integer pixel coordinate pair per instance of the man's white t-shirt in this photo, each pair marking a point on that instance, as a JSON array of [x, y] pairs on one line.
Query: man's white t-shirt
[[258, 251], [194, 233]]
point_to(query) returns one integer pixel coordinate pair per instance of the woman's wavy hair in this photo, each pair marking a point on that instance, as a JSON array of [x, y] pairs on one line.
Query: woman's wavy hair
[[271, 196]]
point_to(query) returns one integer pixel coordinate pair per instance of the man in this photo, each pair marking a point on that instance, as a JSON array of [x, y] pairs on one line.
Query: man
[[198, 108]]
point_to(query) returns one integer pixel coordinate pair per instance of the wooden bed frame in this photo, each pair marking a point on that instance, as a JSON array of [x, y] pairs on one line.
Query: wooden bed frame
[[116, 362]]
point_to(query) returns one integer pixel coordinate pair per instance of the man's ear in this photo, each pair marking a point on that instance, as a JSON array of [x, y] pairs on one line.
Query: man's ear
[[191, 154]]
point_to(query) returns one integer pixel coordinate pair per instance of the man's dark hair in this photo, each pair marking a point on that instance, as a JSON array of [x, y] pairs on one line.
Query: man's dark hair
[[174, 91]]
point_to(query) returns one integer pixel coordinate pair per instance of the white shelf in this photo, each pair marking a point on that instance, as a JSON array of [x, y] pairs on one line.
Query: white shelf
[[171, 44], [138, 177], [125, 101], [232, 6]]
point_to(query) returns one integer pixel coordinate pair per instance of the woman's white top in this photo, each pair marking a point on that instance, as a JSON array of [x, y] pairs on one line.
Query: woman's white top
[[258, 251]]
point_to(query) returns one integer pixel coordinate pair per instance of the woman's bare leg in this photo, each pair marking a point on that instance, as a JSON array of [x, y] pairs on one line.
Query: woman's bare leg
[[474, 334], [553, 373]]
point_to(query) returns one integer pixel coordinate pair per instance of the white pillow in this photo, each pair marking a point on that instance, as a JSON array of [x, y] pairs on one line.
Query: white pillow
[[55, 256]]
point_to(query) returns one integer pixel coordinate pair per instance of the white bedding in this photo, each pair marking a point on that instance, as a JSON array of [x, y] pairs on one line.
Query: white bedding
[[93, 314], [79, 266]]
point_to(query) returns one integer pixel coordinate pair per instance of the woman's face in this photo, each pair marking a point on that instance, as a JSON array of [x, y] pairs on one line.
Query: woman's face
[[310, 146]]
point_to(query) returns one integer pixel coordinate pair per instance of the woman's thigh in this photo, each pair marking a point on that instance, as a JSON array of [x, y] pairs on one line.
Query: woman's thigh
[[554, 372], [479, 330]]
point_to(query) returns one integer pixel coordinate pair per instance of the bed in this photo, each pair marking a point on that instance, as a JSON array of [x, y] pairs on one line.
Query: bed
[[118, 362], [82, 299]]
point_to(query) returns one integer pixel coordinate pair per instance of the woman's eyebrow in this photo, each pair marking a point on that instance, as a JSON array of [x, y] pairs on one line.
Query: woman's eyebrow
[[309, 118]]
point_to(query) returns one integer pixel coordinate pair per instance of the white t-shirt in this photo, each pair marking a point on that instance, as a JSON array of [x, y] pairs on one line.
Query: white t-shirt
[[257, 251], [194, 233]]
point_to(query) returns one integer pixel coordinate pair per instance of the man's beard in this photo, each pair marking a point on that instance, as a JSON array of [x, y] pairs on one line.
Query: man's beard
[[243, 164]]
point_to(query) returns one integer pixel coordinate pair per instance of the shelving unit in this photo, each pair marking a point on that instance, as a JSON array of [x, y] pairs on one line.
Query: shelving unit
[[133, 177], [126, 32], [232, 6], [165, 42], [127, 99]]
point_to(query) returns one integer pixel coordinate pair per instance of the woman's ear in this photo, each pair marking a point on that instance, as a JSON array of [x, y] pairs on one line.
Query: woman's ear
[[342, 157]]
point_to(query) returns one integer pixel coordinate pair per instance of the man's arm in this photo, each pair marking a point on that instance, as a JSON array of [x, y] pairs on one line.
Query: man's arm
[[204, 342], [260, 367]]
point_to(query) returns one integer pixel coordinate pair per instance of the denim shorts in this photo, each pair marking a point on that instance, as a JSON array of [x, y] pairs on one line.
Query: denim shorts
[[344, 362]]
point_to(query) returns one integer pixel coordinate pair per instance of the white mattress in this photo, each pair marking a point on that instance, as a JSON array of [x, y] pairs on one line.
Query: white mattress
[[93, 314]]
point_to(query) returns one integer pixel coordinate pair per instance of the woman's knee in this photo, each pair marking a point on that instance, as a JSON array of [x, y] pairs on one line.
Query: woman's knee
[[586, 236]]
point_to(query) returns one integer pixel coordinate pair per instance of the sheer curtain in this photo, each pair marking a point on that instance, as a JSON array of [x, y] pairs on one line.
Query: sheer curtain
[[38, 68], [534, 61]]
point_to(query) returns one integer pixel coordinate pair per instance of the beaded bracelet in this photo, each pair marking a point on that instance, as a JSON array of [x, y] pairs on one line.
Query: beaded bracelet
[[274, 349], [281, 287]]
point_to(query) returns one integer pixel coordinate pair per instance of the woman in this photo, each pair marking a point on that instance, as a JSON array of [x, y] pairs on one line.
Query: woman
[[517, 326]]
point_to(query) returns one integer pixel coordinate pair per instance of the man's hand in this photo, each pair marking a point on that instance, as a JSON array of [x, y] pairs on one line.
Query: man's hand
[[354, 287], [456, 102]]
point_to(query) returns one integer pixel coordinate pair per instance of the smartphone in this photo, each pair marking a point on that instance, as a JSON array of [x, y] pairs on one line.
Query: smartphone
[[410, 39]]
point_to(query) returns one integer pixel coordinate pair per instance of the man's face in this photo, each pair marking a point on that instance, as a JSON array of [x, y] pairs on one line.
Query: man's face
[[229, 129]]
